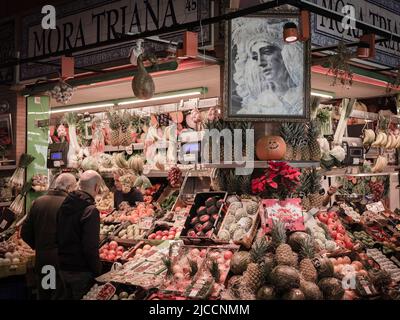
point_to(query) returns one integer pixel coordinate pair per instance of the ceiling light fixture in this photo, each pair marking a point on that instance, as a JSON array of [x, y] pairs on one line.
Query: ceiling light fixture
[[122, 102], [165, 96], [290, 33], [81, 108], [322, 94]]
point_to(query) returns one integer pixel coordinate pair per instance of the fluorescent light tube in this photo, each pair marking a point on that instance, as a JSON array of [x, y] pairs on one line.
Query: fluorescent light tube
[[322, 94], [82, 108], [162, 97]]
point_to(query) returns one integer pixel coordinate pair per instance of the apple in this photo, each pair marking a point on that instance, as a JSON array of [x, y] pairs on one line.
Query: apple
[[159, 232], [171, 233], [164, 238], [331, 221], [340, 243], [333, 234], [165, 233], [332, 215], [120, 248], [228, 255], [331, 228], [349, 245], [341, 229], [152, 236], [171, 237], [158, 237], [103, 256], [113, 245], [323, 217], [111, 252], [340, 237], [173, 229], [111, 257]]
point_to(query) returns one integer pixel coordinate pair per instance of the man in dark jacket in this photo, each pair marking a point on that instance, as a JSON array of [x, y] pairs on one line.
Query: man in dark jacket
[[78, 237], [39, 231]]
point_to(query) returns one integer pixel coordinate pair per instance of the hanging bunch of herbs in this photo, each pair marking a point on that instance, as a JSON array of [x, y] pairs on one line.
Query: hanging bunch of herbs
[[339, 66]]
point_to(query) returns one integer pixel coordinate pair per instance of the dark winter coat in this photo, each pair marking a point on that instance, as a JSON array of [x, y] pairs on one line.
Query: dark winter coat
[[40, 226], [78, 234]]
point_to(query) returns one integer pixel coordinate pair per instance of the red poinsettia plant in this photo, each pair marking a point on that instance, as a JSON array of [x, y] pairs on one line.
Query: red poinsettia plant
[[278, 181]]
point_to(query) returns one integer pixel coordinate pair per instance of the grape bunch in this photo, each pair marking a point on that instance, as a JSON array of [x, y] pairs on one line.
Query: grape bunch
[[377, 189], [175, 177]]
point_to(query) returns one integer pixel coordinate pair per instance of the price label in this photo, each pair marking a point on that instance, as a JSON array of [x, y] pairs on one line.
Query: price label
[[376, 207], [146, 223], [3, 224]]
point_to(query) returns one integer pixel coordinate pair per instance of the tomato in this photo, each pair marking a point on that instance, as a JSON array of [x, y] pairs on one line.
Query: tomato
[[340, 243], [341, 229], [333, 234], [228, 255], [323, 217], [331, 222], [113, 245], [331, 228], [332, 215], [340, 237]]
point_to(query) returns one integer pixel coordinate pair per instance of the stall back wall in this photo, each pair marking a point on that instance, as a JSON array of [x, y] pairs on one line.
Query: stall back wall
[[37, 140]]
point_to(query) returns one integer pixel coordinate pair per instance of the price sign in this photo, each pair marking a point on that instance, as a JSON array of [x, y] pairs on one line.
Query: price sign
[[376, 207], [129, 150], [146, 223]]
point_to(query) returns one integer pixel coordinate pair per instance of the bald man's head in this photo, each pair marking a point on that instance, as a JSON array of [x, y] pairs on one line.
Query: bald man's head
[[90, 182], [65, 182]]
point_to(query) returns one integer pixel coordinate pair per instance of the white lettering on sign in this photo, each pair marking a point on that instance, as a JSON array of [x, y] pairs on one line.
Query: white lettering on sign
[[108, 22]]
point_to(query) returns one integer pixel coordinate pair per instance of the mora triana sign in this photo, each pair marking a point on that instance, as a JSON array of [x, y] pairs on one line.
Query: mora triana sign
[[81, 23], [384, 14]]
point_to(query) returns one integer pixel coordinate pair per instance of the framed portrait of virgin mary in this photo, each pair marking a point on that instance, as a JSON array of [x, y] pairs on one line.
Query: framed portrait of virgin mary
[[265, 78]]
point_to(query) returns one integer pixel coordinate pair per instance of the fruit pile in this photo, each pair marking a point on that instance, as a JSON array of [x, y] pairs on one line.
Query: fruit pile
[[283, 268], [175, 178], [14, 252], [212, 275], [183, 268], [150, 192], [165, 233], [364, 238], [377, 189], [131, 214], [131, 232], [107, 229], [112, 252], [239, 220], [105, 202], [201, 224], [144, 250], [336, 230]]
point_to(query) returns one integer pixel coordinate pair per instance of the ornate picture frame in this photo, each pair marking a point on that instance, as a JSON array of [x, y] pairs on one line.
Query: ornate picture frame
[[265, 78]]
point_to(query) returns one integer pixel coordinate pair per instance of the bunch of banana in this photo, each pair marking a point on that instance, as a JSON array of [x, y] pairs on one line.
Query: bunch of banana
[[381, 140], [369, 136], [380, 164], [393, 142]]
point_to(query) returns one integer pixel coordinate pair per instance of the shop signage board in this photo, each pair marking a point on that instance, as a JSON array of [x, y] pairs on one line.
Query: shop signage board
[[80, 23], [7, 49], [384, 14]]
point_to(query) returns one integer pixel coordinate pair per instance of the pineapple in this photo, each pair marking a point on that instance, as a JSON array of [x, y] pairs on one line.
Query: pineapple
[[310, 290], [310, 189], [286, 133], [126, 131], [283, 253], [115, 125], [313, 145], [253, 278], [307, 269]]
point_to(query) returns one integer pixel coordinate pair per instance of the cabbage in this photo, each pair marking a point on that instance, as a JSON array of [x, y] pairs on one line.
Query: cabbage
[[89, 163]]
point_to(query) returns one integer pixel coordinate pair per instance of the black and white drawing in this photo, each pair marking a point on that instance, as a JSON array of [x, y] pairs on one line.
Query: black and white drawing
[[266, 78]]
